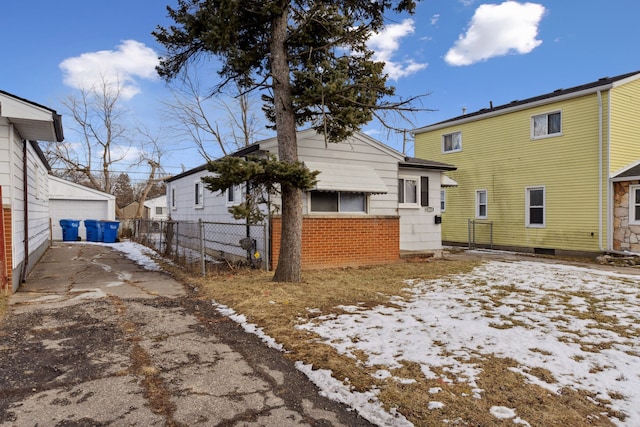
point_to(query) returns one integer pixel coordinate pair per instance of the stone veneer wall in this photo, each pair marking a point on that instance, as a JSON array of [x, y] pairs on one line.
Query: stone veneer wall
[[625, 237]]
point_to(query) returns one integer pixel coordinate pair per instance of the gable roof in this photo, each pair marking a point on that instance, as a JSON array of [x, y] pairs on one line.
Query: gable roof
[[33, 121], [604, 83]]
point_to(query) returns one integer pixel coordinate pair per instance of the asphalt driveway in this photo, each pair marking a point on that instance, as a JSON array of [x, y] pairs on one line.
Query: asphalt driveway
[[93, 339]]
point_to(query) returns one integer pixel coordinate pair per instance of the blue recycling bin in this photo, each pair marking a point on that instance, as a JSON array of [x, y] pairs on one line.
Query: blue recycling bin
[[94, 230], [69, 229], [110, 231]]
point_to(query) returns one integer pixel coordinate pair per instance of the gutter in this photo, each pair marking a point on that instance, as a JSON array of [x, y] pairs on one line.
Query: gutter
[[25, 185], [600, 171]]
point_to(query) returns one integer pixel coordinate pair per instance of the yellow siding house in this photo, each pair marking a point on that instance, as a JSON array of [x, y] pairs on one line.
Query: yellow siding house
[[556, 173]]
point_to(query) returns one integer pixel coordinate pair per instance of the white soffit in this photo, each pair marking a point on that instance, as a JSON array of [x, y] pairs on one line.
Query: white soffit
[[346, 177], [445, 181]]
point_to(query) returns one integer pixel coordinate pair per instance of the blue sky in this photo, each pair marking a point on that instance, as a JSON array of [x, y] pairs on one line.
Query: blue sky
[[465, 53]]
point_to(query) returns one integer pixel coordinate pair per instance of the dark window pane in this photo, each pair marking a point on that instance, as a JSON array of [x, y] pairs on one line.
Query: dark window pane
[[637, 217], [324, 201], [352, 202], [536, 197], [536, 216], [401, 191], [554, 123], [424, 191], [482, 210]]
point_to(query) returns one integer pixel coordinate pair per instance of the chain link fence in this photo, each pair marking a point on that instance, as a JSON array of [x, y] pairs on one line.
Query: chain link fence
[[203, 245]]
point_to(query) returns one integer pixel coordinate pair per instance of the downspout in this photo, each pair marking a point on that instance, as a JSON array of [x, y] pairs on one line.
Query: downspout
[[600, 172], [609, 223], [25, 185]]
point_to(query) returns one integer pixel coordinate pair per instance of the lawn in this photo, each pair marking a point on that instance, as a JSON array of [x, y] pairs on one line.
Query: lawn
[[454, 342]]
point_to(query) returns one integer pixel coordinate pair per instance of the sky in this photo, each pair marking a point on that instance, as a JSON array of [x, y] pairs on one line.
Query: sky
[[448, 323], [464, 54]]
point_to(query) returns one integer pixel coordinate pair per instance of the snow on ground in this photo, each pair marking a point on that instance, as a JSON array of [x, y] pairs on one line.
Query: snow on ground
[[537, 313], [137, 253]]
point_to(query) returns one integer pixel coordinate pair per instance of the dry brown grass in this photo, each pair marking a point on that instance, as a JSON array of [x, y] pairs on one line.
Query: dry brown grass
[[4, 305], [279, 307]]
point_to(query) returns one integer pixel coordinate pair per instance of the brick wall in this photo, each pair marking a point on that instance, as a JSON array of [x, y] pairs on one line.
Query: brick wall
[[343, 241], [6, 254]]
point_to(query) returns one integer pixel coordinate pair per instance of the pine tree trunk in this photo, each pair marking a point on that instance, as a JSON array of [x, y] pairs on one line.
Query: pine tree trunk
[[290, 258]]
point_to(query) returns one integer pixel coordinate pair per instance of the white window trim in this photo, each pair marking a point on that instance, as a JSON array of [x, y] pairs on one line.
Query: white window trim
[[453, 150], [632, 204], [527, 206], [416, 204], [443, 200], [548, 135], [200, 187], [486, 203], [237, 195]]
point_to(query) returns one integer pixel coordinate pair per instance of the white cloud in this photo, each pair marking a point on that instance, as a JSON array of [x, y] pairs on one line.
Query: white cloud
[[435, 18], [131, 60], [497, 30], [387, 42]]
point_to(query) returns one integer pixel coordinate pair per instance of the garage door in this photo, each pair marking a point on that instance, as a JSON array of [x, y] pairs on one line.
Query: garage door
[[78, 210]]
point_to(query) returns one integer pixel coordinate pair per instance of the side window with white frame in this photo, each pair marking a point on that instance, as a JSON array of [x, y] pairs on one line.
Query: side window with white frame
[[408, 191], [231, 195], [173, 198], [481, 204], [545, 125], [452, 142], [535, 209], [198, 195], [634, 204], [443, 200]]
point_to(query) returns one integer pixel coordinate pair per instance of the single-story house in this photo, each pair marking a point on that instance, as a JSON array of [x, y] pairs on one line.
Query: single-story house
[[68, 200], [156, 208], [370, 202], [24, 187]]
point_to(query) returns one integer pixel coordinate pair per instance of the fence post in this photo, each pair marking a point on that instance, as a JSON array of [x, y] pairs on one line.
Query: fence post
[[201, 236]]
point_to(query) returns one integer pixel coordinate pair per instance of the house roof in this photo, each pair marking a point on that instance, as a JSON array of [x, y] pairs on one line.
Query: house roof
[[628, 173], [33, 121], [558, 94], [414, 162]]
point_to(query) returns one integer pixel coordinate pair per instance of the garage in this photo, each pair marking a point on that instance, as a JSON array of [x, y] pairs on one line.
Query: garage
[[68, 200]]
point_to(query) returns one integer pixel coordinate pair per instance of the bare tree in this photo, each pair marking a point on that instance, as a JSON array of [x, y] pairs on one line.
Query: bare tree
[[107, 137], [216, 124], [149, 155]]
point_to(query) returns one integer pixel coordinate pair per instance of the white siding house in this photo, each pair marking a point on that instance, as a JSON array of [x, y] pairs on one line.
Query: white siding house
[[358, 188], [24, 185], [68, 200], [157, 208]]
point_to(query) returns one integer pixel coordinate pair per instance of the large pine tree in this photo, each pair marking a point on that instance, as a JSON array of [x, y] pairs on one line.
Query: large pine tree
[[311, 60]]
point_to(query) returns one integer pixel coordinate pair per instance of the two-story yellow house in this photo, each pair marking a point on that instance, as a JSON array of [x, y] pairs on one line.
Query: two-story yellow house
[[556, 173]]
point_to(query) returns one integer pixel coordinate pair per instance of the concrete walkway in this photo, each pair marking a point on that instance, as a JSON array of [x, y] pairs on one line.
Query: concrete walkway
[[92, 339]]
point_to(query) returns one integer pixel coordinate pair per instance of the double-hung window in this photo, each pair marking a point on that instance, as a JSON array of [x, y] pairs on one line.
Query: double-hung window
[[535, 210], [481, 204], [338, 201], [233, 195], [443, 200], [452, 142], [544, 125], [634, 204]]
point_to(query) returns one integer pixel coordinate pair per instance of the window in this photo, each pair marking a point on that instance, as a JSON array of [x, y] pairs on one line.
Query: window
[[335, 201], [159, 210], [199, 195], [634, 204], [173, 198], [443, 201], [544, 125], [231, 195], [410, 187], [481, 204], [535, 207], [452, 142]]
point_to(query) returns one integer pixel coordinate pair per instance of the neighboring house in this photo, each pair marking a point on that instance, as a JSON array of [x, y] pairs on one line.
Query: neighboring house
[[68, 200], [370, 201], [559, 172], [24, 185], [156, 208], [130, 211]]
